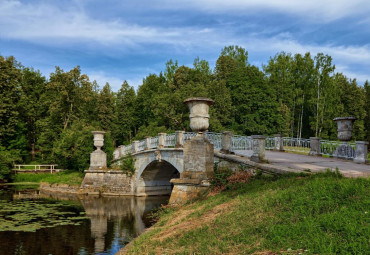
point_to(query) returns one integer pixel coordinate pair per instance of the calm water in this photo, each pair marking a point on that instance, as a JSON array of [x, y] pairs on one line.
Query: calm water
[[70, 225]]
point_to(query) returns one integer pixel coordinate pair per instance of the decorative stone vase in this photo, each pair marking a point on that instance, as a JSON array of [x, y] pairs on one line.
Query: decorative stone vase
[[199, 113], [98, 158], [345, 128], [98, 139]]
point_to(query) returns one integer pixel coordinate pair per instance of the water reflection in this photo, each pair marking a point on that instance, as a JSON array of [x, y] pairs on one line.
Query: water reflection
[[113, 221], [118, 217]]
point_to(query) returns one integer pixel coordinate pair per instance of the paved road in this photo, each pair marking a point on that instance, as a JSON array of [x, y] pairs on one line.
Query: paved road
[[315, 164]]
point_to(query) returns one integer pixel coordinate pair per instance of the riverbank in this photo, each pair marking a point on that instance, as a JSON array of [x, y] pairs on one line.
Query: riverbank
[[317, 214], [72, 178]]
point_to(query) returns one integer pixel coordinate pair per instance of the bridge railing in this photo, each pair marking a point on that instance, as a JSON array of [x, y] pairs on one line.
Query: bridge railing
[[241, 143], [297, 145], [153, 142], [170, 140], [313, 146], [215, 139], [336, 148]]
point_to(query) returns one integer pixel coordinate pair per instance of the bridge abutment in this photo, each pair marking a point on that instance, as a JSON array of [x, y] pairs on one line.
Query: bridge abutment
[[198, 170]]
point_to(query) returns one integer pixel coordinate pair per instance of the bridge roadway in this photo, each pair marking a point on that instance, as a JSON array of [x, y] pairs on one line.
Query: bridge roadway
[[315, 164]]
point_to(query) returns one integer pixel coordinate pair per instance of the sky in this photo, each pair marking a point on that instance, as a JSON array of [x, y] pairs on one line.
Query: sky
[[117, 40]]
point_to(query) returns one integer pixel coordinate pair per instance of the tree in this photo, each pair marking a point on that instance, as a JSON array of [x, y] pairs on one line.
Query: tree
[[30, 106], [125, 112], [10, 79], [237, 53], [367, 110]]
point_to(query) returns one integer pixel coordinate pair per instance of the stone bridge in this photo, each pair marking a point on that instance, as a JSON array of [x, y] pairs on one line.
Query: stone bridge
[[183, 162], [160, 159]]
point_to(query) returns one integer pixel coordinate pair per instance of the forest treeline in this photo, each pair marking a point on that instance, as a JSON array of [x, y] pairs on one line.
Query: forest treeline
[[50, 119]]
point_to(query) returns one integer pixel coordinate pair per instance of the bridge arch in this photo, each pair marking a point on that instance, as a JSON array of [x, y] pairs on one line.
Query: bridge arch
[[155, 169]]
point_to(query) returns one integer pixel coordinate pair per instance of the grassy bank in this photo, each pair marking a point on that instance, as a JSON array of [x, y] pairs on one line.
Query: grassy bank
[[67, 177], [318, 214]]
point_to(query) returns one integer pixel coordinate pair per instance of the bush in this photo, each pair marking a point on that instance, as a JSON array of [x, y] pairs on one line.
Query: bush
[[127, 164], [7, 160]]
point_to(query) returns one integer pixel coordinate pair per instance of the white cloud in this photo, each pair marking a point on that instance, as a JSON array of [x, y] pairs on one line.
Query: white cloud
[[314, 10], [49, 24], [346, 58]]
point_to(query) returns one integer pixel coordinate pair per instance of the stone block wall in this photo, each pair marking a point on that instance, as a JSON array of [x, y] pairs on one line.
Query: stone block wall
[[107, 183]]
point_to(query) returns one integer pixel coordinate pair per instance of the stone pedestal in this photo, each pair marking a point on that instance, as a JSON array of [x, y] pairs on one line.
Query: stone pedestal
[[147, 142], [278, 139], [179, 139], [135, 146], [198, 169], [315, 146], [226, 142], [258, 146], [98, 160], [161, 139], [361, 152], [198, 158]]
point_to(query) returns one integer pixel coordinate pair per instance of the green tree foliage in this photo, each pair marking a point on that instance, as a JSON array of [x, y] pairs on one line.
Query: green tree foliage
[[10, 80], [367, 110], [125, 113], [7, 159], [295, 95]]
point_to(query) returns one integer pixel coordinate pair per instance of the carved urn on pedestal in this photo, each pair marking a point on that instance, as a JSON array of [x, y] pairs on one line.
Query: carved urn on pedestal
[[199, 113], [345, 128], [98, 158], [198, 155]]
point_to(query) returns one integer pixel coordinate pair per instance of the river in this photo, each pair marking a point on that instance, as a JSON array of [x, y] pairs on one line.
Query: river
[[33, 223]]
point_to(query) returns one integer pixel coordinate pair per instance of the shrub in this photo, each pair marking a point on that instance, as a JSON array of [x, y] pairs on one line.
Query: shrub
[[127, 164], [7, 160]]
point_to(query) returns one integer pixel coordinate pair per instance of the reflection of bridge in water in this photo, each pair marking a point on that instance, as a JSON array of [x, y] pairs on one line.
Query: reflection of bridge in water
[[113, 220]]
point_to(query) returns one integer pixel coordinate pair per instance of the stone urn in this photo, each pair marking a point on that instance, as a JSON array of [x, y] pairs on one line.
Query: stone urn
[[345, 128], [98, 158], [98, 139], [199, 113]]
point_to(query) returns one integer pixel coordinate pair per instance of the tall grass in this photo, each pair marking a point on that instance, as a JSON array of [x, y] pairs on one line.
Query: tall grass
[[66, 177], [315, 214]]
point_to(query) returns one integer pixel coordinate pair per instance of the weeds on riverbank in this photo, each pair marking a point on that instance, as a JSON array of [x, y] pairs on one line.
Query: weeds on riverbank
[[311, 214], [66, 177]]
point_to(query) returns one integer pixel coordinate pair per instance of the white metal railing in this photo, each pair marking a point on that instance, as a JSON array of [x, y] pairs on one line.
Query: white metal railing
[[153, 142], [299, 145], [239, 142], [270, 143], [215, 139], [338, 149], [170, 140], [142, 145]]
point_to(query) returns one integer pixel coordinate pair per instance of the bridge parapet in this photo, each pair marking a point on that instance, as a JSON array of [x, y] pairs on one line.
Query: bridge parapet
[[357, 151]]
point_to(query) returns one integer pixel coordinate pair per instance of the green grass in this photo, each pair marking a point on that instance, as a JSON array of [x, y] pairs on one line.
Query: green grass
[[316, 214], [66, 177]]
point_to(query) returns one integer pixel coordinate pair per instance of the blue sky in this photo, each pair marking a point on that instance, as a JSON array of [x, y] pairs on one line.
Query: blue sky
[[116, 40]]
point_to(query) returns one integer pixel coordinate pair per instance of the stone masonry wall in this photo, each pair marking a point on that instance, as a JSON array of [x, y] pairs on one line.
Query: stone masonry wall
[[107, 183]]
